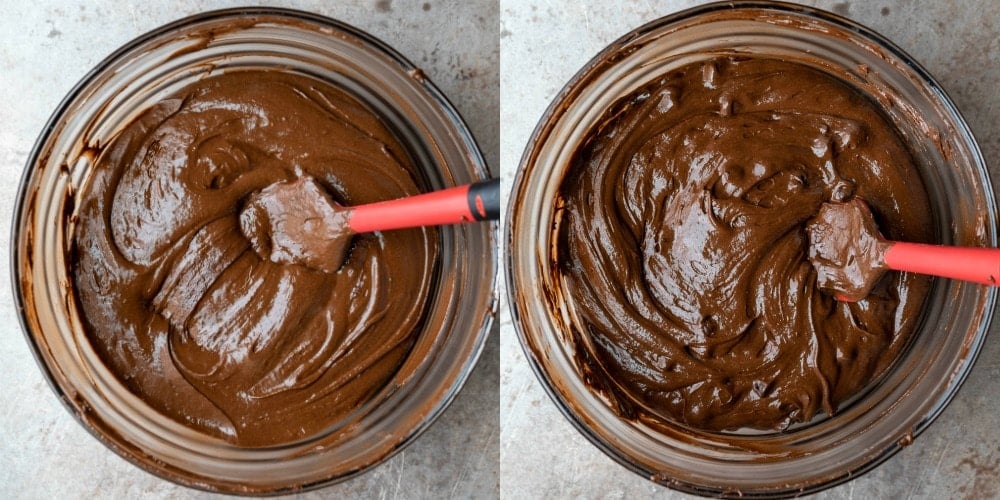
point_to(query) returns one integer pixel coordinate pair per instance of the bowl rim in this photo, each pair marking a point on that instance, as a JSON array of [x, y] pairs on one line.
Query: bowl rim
[[470, 148], [542, 130]]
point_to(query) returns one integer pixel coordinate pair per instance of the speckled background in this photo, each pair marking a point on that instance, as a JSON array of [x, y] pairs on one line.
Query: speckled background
[[500, 62], [46, 46], [542, 44]]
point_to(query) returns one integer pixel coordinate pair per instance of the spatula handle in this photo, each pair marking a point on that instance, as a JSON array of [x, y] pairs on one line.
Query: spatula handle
[[978, 265], [468, 203]]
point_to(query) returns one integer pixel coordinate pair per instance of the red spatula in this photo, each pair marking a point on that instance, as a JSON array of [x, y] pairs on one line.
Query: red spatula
[[849, 254], [297, 222]]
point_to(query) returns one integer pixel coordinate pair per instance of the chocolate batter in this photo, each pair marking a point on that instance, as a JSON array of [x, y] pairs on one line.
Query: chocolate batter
[[846, 249], [188, 292], [297, 223], [682, 250]]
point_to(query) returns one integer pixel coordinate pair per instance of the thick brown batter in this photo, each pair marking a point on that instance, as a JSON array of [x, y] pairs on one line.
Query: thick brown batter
[[846, 249], [226, 334], [682, 247], [297, 223]]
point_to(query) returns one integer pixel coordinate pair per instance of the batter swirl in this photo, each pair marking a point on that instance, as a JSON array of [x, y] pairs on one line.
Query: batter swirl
[[183, 309], [682, 248]]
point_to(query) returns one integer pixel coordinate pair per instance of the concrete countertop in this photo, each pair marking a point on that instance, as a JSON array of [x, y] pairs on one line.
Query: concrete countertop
[[502, 437], [543, 44], [46, 46]]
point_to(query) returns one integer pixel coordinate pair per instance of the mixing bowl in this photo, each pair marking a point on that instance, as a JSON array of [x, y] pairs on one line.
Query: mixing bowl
[[461, 305], [893, 409]]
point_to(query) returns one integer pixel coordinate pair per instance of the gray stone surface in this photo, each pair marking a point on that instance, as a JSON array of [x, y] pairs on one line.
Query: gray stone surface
[[502, 436], [46, 46], [543, 43]]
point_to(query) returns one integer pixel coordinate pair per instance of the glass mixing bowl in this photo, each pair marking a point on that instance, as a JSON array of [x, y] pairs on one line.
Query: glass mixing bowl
[[894, 409], [151, 68]]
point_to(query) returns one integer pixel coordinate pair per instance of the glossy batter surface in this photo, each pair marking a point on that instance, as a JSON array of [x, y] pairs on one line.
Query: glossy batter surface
[[208, 326], [846, 249], [682, 250]]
